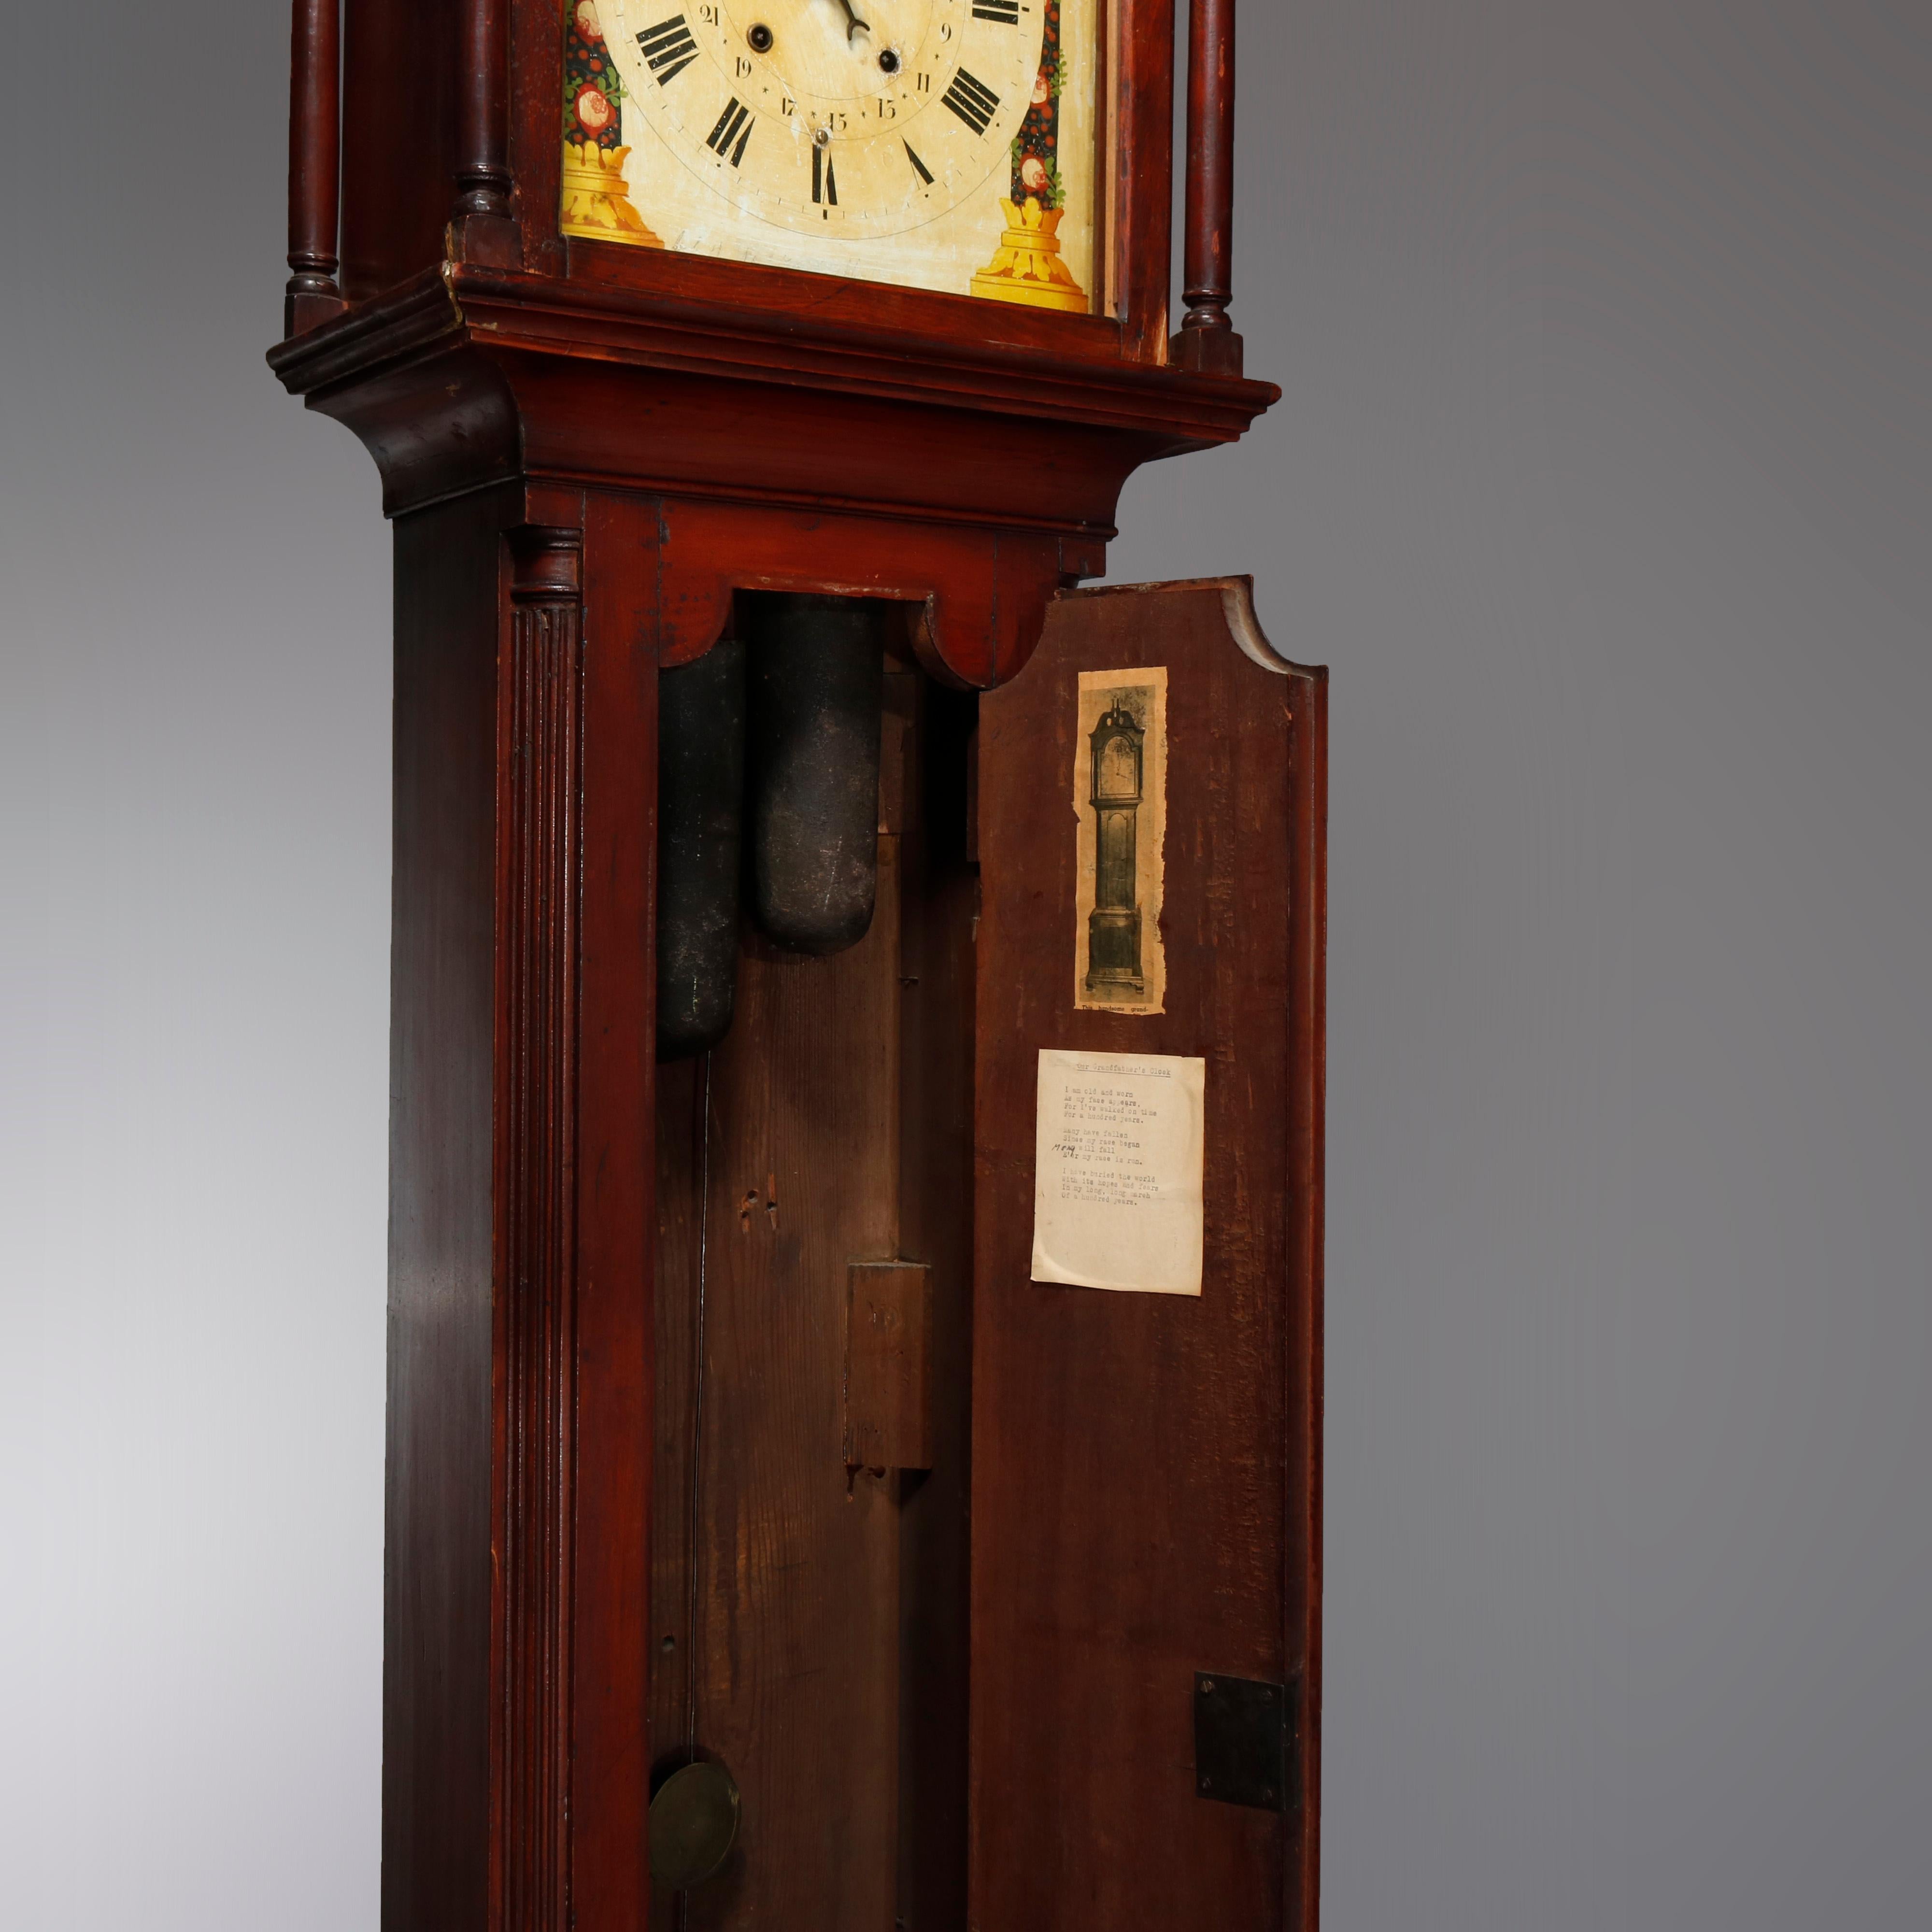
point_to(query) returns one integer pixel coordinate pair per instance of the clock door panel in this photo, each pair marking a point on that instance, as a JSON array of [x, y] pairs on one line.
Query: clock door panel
[[1144, 1496]]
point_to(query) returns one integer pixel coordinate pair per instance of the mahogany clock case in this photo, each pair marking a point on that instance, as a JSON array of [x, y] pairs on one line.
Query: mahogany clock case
[[1058, 1665]]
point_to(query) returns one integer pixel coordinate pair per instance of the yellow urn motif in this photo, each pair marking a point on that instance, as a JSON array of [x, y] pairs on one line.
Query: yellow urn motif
[[595, 203], [1026, 266]]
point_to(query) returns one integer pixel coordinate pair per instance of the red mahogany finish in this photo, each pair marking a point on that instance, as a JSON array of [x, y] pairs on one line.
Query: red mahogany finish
[[481, 227], [315, 162], [522, 1220], [972, 476], [539, 704], [1146, 1471], [1206, 340], [935, 1592]]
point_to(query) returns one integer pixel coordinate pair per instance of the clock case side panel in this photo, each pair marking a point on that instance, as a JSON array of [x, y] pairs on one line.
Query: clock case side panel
[[1135, 140], [1146, 1471], [516, 1584], [436, 1568]]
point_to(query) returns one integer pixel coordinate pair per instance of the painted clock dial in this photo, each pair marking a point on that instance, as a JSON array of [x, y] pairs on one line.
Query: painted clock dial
[[942, 144]]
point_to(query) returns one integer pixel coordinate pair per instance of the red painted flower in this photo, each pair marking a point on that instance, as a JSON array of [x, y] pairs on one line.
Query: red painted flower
[[587, 23], [594, 111], [1042, 88], [1033, 173]]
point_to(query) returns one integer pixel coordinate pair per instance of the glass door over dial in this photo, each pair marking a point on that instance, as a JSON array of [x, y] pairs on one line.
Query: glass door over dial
[[940, 144]]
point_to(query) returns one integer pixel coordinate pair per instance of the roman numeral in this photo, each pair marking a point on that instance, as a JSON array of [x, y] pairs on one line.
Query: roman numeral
[[925, 173], [733, 124], [824, 182], [668, 48], [1007, 12], [972, 100]]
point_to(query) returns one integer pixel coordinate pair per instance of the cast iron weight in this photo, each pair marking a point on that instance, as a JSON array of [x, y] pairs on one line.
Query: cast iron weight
[[816, 674], [700, 836]]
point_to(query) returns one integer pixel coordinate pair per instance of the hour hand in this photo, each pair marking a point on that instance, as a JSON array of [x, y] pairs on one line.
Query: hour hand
[[853, 22]]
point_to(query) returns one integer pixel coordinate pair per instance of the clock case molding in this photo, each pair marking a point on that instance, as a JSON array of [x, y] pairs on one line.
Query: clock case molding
[[794, 431]]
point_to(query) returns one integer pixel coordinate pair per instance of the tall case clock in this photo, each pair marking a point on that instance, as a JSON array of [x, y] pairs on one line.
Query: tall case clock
[[857, 994]]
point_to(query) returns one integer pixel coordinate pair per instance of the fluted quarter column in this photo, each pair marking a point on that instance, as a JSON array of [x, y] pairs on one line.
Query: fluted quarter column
[[539, 843]]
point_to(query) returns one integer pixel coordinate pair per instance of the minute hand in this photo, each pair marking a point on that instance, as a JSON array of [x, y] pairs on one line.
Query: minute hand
[[853, 22]]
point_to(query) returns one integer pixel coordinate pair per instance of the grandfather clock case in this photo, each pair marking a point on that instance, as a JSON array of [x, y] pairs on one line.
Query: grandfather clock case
[[855, 1285]]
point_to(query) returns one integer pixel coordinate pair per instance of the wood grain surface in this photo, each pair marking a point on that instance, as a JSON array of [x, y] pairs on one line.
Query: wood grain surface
[[399, 81], [437, 1578], [1142, 1473], [1144, 1480], [888, 1366], [310, 294], [826, 1661], [789, 1560]]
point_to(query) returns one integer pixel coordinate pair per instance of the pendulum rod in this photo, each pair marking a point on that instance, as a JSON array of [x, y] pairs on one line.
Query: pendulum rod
[[697, 1409], [682, 1898]]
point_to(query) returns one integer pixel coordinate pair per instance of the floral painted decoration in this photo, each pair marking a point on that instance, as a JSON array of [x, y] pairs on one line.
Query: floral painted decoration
[[593, 199], [591, 91], [1036, 145]]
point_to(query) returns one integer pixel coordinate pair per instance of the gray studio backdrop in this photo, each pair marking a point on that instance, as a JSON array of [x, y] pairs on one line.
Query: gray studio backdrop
[[1600, 481]]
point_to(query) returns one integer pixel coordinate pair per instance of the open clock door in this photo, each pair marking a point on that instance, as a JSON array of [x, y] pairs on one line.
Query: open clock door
[[1146, 1454]]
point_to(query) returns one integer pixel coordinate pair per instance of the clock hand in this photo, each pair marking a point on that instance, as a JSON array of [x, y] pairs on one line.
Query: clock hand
[[853, 22]]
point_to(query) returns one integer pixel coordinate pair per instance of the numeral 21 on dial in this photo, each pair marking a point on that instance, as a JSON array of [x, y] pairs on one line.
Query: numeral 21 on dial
[[668, 48]]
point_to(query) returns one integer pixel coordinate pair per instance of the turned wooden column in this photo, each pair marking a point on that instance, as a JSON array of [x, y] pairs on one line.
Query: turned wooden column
[[539, 848], [482, 229], [1207, 341], [315, 164]]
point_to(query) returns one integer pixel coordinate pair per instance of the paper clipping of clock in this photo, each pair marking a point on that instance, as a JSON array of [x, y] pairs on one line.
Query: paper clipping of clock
[[934, 144], [1119, 862]]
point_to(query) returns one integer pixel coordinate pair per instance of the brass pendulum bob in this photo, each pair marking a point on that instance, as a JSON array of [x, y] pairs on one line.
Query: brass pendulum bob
[[816, 678], [700, 824], [693, 1824]]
